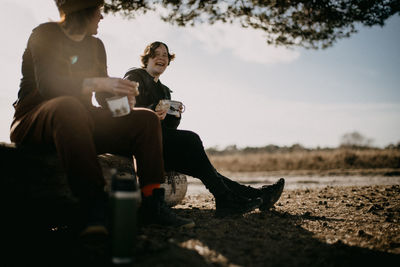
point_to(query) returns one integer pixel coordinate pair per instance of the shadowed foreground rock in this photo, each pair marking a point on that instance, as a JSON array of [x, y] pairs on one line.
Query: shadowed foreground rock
[[34, 185], [40, 217], [33, 181]]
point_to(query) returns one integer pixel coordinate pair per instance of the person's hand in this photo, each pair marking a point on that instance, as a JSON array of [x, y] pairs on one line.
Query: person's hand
[[181, 110], [132, 101], [118, 86], [161, 114], [115, 86]]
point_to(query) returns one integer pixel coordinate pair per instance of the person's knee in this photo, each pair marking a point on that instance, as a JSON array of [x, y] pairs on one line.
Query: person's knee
[[149, 118], [192, 135], [152, 117], [193, 139], [67, 104], [69, 109]]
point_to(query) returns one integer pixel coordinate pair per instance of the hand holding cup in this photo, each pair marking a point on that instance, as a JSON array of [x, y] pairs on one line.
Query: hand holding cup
[[163, 105], [162, 108]]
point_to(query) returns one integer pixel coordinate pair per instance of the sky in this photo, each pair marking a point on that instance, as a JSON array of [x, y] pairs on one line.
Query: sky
[[237, 89]]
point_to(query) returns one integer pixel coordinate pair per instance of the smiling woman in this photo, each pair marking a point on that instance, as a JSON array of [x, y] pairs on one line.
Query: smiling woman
[[183, 150]]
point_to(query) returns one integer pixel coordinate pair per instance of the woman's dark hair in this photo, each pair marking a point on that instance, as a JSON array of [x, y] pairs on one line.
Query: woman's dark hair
[[77, 22], [150, 52]]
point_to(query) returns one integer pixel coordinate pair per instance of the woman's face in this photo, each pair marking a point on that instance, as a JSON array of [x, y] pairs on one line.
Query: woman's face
[[94, 22], [157, 64]]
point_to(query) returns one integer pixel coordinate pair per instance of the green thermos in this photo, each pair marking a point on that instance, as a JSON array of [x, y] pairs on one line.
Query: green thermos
[[125, 199]]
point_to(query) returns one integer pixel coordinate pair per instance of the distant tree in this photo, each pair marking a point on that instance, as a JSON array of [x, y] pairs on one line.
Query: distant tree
[[297, 147], [393, 146], [231, 149], [271, 148], [355, 139], [212, 150], [307, 23]]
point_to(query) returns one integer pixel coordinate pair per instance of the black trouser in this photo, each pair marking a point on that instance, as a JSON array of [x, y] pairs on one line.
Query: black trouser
[[184, 152]]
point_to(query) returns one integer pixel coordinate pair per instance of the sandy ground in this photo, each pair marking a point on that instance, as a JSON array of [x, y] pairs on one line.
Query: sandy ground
[[330, 226], [327, 226]]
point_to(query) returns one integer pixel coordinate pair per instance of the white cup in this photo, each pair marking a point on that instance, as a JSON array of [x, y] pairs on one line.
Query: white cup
[[119, 105], [176, 108], [173, 107]]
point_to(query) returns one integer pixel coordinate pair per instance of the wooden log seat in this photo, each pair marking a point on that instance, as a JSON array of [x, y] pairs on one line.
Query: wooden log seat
[[34, 186]]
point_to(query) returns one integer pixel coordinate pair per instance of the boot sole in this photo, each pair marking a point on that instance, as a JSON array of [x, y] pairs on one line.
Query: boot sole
[[221, 213]]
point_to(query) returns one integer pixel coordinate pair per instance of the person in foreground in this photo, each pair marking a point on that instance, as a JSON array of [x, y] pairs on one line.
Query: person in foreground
[[183, 150], [62, 66]]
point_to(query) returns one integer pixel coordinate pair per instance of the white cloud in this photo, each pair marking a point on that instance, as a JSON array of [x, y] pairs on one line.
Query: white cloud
[[247, 44], [125, 39]]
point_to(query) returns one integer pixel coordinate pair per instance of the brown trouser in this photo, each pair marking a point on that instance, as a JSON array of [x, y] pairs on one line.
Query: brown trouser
[[80, 133]]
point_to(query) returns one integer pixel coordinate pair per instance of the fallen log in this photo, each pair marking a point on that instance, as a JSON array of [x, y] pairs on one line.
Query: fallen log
[[34, 185]]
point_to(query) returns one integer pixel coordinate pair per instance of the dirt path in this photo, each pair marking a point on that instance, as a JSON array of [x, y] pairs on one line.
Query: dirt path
[[330, 226]]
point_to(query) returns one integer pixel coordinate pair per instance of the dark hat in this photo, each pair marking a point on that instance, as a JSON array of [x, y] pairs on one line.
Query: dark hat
[[70, 6]]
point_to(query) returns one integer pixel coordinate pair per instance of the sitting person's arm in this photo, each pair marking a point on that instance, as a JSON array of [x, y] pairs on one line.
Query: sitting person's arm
[[148, 99], [102, 96], [143, 99]]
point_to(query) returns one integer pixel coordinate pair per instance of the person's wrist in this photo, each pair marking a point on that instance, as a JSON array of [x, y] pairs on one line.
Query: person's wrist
[[88, 86]]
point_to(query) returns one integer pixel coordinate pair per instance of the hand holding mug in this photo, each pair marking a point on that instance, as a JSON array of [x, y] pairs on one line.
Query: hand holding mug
[[161, 114], [132, 101], [162, 108], [117, 86], [163, 105]]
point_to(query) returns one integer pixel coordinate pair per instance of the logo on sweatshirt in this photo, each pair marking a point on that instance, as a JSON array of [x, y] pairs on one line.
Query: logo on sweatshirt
[[73, 59]]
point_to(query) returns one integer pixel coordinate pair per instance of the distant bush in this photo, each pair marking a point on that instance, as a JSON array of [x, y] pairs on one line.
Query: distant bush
[[355, 140], [300, 158], [232, 149]]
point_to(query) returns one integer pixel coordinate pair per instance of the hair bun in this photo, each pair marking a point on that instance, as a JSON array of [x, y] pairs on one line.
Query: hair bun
[[71, 6]]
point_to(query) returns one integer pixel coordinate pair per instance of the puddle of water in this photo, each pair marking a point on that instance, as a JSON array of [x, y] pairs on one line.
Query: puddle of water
[[195, 186]]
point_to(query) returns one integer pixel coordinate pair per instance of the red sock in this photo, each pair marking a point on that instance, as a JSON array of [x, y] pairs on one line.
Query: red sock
[[147, 190]]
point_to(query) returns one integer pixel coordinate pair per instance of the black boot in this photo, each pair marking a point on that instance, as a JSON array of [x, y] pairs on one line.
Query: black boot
[[227, 202], [96, 215], [271, 193], [240, 189], [154, 210], [93, 243]]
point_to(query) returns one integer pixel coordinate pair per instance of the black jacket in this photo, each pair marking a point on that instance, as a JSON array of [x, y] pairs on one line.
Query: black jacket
[[150, 93]]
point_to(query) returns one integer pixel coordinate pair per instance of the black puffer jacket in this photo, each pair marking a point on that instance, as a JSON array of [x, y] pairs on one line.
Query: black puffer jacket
[[150, 93]]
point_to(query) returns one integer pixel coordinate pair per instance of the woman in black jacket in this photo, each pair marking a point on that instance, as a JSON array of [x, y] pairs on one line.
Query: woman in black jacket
[[183, 150]]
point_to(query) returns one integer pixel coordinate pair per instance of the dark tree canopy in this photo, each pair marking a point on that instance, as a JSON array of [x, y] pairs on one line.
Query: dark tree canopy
[[306, 23]]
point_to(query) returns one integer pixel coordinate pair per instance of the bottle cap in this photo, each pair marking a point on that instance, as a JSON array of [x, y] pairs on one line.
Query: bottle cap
[[123, 182]]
